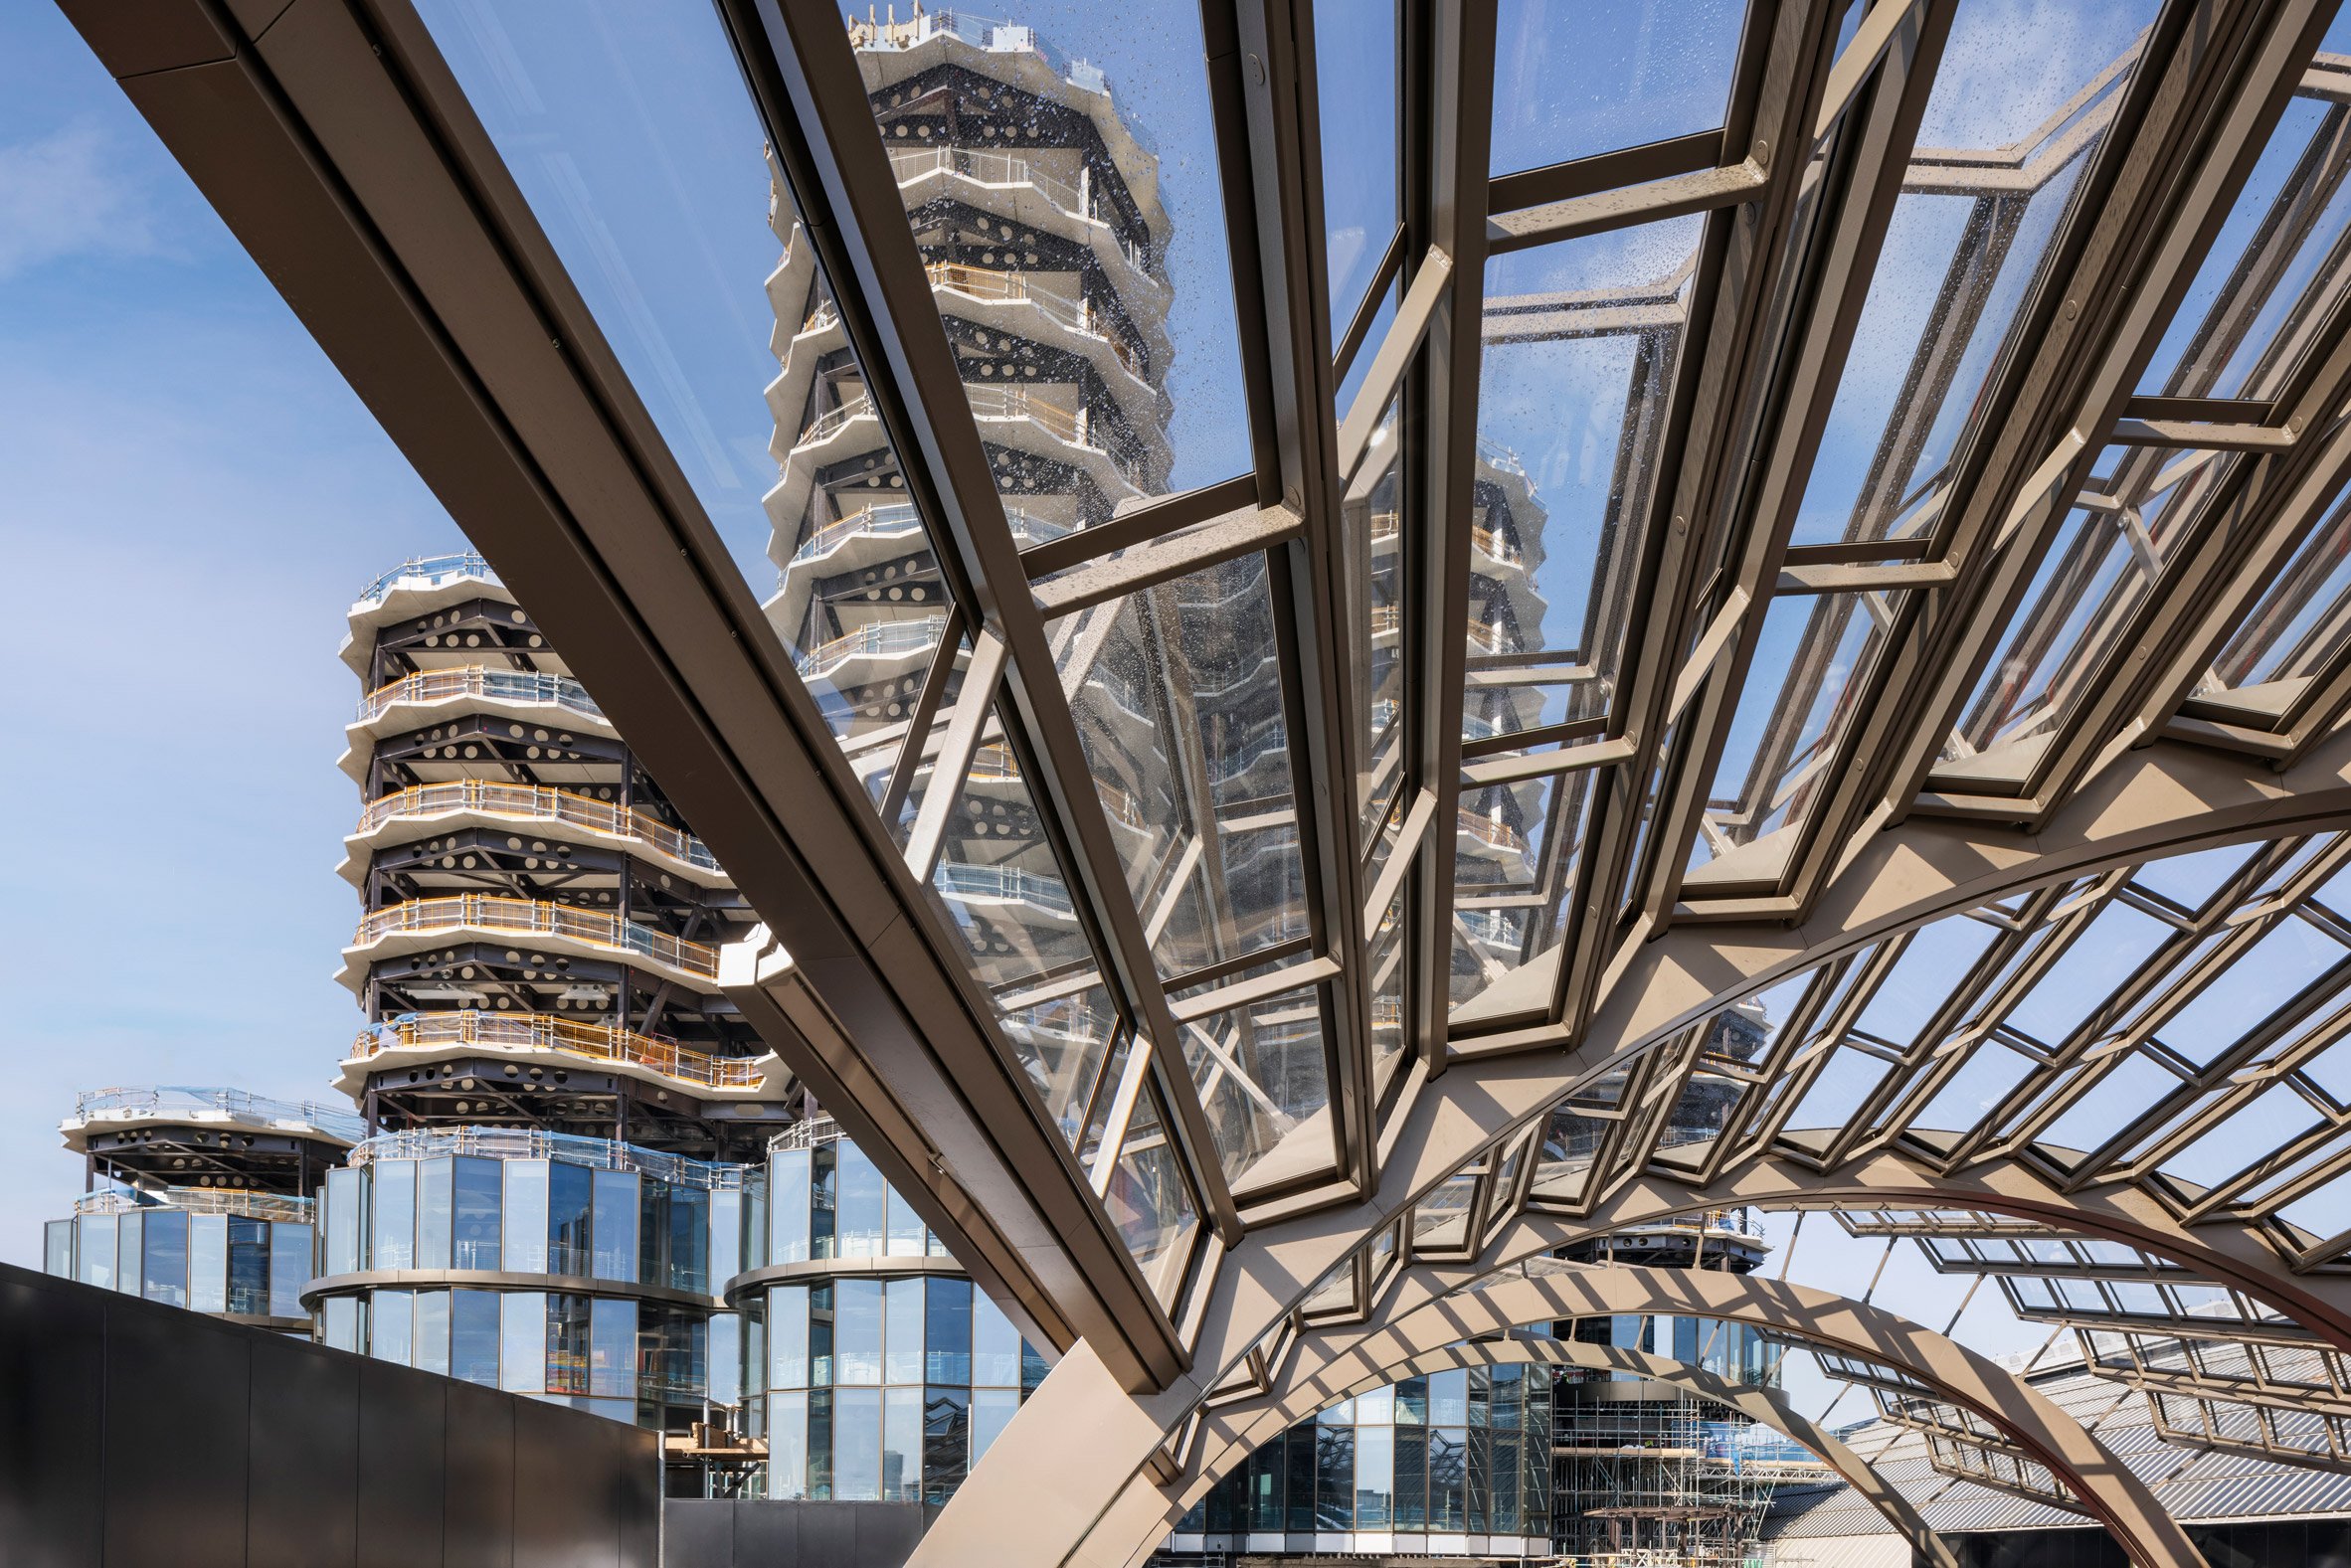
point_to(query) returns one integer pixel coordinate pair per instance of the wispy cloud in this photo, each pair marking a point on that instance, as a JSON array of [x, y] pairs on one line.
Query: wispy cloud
[[65, 195]]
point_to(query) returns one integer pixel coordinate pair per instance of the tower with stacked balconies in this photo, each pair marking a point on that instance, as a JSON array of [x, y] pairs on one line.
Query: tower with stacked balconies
[[539, 931]]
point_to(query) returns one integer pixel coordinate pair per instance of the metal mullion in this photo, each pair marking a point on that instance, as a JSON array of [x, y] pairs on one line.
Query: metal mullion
[[1280, 227], [1384, 279], [972, 706], [1881, 130], [943, 443], [926, 708], [2093, 331], [1448, 107]]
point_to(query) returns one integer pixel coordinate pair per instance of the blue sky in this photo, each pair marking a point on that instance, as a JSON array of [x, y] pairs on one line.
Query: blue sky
[[191, 498]]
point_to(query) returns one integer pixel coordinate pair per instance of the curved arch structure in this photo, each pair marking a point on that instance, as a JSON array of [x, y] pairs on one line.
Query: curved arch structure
[[1765, 1406], [1129, 1531]]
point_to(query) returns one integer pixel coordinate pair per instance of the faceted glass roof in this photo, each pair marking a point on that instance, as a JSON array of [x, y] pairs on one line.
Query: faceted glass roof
[[1425, 595]]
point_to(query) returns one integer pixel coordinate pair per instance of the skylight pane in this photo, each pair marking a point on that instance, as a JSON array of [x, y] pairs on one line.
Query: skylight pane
[[1572, 79], [1582, 339], [2271, 275], [1373, 534], [2296, 632], [1517, 852], [2138, 510], [2006, 136], [1263, 1079], [1178, 696], [1357, 81]]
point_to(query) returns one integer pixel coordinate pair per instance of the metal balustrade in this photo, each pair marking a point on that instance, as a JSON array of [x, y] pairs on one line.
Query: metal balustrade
[[591, 928], [1009, 884], [1486, 830], [510, 1142], [427, 571], [875, 638], [536, 802], [997, 403], [201, 1200], [996, 285], [899, 519], [169, 1100], [535, 686], [540, 1032]]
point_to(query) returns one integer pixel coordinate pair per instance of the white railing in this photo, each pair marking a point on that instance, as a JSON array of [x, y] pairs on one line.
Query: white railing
[[591, 928], [427, 571], [499, 1142], [534, 686], [201, 1200], [873, 639], [177, 1099], [899, 519], [1006, 884], [991, 285], [536, 802], [539, 1032]]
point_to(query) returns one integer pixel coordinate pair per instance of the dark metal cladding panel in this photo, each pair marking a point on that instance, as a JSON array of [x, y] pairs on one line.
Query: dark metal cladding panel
[[640, 1499], [770, 1534], [304, 1478], [177, 1390], [699, 1532], [567, 1493], [52, 1468], [478, 1505], [403, 1465]]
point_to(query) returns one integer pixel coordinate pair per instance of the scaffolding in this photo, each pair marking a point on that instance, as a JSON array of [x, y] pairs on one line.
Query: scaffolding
[[1650, 1478]]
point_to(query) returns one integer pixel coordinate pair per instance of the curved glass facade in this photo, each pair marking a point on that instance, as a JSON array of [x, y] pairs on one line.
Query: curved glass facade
[[232, 1254], [873, 1368], [600, 1265], [1454, 1464]]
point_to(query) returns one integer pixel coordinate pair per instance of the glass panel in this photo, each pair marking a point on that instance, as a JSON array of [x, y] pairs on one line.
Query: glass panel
[[2117, 942], [1572, 79], [338, 1324], [430, 1349], [473, 1334], [995, 1346], [726, 1238], [616, 1205], [787, 1336], [522, 1342], [291, 1248], [906, 1232], [1814, 658], [2269, 277], [2297, 628], [788, 1212], [1356, 85], [788, 1446], [1334, 1478], [473, 1225], [860, 1201], [571, 1215], [857, 1331], [391, 1326], [395, 1214], [946, 1441], [2261, 979], [1263, 1077], [167, 1258], [208, 1261], [1835, 1098], [1371, 536], [525, 1208], [1178, 696], [1388, 972], [993, 1409], [947, 1331], [902, 1332], [856, 1445], [435, 1200], [2001, 153], [902, 1445], [1152, 1205], [2135, 513], [344, 1195], [611, 1349]]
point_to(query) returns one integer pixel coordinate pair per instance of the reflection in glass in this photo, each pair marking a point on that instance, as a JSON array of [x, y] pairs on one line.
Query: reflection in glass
[[1572, 79], [1262, 1076]]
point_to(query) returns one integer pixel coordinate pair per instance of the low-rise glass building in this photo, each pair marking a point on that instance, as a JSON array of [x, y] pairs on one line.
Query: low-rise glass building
[[245, 1256], [873, 1370], [577, 1269]]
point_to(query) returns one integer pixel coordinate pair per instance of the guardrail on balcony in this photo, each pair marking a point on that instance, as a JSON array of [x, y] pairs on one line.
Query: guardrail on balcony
[[201, 1200], [1009, 884], [982, 167], [427, 571], [501, 1142], [899, 520], [1000, 287], [1488, 831], [546, 1033], [476, 681], [1002, 403], [592, 928], [874, 638], [536, 802], [176, 1099]]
